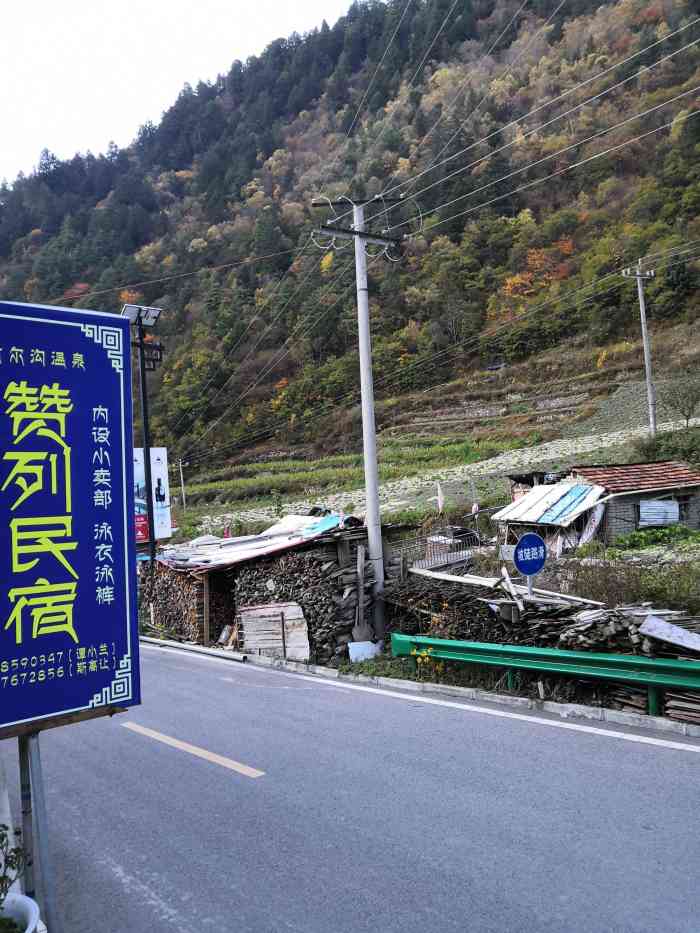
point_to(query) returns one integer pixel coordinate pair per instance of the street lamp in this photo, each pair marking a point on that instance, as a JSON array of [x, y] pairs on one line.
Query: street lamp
[[142, 317]]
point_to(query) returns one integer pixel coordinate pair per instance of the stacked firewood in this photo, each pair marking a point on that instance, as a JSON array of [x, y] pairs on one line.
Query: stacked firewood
[[327, 593], [443, 609], [172, 603], [454, 610], [604, 630], [683, 705]]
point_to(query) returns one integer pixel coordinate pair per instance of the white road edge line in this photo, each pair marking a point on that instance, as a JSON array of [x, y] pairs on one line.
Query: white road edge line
[[240, 683], [450, 704], [522, 717], [228, 763]]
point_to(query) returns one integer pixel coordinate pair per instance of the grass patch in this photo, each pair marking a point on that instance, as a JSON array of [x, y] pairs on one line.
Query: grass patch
[[618, 583], [398, 459]]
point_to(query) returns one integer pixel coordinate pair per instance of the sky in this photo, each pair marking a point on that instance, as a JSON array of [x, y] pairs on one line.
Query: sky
[[76, 74]]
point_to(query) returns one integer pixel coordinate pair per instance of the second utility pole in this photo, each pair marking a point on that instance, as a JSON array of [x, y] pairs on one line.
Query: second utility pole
[[640, 275], [369, 433]]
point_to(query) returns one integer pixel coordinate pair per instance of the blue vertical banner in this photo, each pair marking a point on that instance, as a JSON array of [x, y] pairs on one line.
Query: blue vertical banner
[[68, 616]]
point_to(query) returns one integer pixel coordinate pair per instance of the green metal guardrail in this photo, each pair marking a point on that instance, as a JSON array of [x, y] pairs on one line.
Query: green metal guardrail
[[653, 673]]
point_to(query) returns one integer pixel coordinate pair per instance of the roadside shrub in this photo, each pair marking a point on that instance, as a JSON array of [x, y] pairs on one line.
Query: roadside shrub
[[671, 445], [675, 534], [676, 586]]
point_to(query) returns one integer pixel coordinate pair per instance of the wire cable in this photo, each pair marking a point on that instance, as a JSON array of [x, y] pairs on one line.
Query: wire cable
[[565, 299], [569, 168], [388, 121], [236, 345], [542, 126], [546, 104], [253, 260], [273, 363]]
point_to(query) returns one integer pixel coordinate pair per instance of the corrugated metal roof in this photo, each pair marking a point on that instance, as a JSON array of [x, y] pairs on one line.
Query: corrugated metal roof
[[627, 477], [211, 553], [559, 504]]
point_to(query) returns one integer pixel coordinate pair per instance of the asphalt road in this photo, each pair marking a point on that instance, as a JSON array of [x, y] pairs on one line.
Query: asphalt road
[[373, 813]]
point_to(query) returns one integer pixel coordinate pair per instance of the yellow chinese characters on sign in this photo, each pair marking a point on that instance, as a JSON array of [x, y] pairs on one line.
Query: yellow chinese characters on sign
[[39, 465]]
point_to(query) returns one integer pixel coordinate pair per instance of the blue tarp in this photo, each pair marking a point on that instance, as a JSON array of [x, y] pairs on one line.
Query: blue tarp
[[568, 503]]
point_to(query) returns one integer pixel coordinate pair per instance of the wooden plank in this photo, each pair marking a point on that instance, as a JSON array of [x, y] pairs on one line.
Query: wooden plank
[[261, 628], [673, 634], [491, 582], [343, 551], [511, 589]]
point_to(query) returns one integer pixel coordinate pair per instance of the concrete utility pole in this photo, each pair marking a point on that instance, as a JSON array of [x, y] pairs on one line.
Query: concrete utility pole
[[639, 274], [369, 433]]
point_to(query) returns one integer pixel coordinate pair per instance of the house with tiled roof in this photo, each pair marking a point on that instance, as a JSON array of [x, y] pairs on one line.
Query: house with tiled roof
[[603, 502], [644, 495]]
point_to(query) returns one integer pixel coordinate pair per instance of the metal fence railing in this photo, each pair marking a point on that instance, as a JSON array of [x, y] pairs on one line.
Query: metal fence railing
[[653, 673], [441, 548]]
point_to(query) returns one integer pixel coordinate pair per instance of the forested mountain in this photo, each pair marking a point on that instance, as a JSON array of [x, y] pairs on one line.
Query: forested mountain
[[516, 219]]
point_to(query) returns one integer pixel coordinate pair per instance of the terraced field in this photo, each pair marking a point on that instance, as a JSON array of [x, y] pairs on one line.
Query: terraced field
[[562, 407]]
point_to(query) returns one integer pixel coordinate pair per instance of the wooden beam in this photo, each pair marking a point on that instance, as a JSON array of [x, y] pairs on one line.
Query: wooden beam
[[490, 583]]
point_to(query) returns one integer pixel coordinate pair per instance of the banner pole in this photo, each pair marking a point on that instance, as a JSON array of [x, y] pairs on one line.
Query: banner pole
[[25, 793]]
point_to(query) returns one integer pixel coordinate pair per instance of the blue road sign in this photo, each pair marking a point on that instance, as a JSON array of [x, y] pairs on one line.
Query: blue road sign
[[68, 621], [530, 554]]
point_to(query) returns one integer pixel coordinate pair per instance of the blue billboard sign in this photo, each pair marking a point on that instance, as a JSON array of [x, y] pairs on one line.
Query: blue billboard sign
[[530, 554], [68, 619]]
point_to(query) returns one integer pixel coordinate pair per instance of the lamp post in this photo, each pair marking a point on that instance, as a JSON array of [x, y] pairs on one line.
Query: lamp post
[[142, 316]]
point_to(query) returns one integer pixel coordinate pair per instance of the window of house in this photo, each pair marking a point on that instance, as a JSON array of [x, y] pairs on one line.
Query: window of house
[[658, 513]]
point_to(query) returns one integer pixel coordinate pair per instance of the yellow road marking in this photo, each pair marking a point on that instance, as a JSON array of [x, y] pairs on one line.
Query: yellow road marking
[[195, 750]]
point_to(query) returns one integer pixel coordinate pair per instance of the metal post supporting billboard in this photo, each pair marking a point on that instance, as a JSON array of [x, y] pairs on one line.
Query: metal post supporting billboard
[[146, 442], [42, 834], [25, 796]]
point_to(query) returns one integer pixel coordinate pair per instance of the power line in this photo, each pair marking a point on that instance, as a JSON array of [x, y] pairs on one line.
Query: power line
[[410, 84], [569, 168], [546, 104], [180, 275], [503, 74], [564, 300], [461, 87], [300, 324], [452, 104], [273, 363], [279, 359], [543, 126], [253, 318], [232, 350], [326, 173], [376, 70]]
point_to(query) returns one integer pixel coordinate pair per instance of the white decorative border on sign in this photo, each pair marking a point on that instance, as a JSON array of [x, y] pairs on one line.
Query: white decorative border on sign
[[119, 691], [110, 338]]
